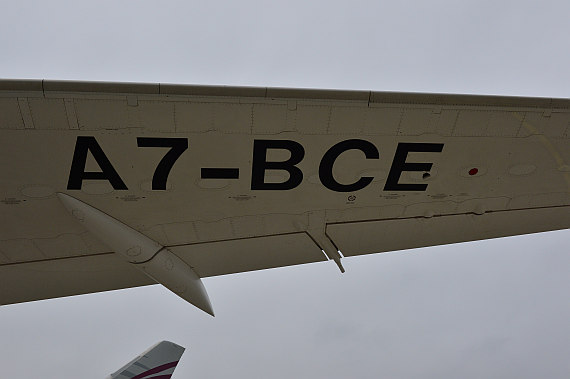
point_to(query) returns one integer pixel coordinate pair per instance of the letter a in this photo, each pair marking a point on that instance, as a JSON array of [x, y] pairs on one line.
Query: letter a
[[77, 173]]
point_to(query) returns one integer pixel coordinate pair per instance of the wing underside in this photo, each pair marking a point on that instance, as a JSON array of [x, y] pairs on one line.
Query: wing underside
[[480, 167]]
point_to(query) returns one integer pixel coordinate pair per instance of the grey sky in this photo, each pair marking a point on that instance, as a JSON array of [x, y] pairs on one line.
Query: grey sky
[[493, 309]]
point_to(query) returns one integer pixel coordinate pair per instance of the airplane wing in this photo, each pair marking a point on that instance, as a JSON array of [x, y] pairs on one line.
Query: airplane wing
[[228, 179], [159, 361]]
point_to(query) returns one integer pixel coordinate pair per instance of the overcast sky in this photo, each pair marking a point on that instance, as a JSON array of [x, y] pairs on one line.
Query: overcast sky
[[490, 309]]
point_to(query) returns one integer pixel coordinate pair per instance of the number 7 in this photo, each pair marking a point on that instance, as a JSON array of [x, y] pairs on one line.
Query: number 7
[[177, 147]]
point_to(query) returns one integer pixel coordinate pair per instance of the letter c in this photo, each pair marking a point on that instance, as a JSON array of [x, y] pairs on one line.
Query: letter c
[[326, 166]]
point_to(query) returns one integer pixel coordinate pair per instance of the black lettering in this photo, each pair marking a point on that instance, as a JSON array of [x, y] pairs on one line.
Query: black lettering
[[399, 165], [219, 173], [77, 172], [177, 147], [326, 166], [260, 164]]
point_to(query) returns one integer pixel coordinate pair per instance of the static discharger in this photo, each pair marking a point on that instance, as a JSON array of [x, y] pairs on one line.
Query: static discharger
[[147, 255]]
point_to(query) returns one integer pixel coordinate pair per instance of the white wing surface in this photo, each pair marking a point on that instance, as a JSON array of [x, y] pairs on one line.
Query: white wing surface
[[237, 179]]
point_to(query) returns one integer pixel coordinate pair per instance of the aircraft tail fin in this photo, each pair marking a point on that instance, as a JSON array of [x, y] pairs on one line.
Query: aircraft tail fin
[[158, 362]]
